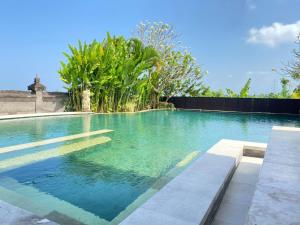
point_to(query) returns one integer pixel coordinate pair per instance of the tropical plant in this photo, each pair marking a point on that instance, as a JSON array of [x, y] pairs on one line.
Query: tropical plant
[[79, 69], [116, 71], [285, 92], [244, 93], [231, 93]]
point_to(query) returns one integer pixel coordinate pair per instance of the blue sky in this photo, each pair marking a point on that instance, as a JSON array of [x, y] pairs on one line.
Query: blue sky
[[34, 34]]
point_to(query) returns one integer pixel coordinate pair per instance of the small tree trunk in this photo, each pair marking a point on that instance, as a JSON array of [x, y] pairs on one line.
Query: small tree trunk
[[86, 101]]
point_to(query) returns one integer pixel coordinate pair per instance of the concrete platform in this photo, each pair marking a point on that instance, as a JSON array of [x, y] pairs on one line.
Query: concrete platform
[[236, 202], [276, 199]]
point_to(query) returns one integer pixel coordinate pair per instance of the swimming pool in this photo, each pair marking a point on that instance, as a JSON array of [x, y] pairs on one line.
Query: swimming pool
[[103, 181]]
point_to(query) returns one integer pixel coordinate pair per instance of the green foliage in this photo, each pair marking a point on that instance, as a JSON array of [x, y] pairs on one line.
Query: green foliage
[[296, 93], [293, 68], [231, 93], [129, 75], [244, 93], [284, 87], [207, 92], [133, 74], [117, 72], [179, 73]]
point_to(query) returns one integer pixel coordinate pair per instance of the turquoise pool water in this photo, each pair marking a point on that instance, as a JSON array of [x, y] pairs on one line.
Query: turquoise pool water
[[106, 180]]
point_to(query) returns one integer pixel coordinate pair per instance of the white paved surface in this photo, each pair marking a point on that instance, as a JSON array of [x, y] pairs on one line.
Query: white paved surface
[[236, 202], [277, 196]]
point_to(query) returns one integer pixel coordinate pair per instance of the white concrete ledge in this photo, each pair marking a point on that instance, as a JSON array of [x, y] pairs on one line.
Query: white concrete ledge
[[276, 199], [20, 116], [190, 198], [286, 128]]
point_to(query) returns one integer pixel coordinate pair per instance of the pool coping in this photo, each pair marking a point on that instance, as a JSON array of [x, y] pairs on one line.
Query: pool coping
[[259, 113], [193, 196], [276, 198], [21, 116], [33, 115]]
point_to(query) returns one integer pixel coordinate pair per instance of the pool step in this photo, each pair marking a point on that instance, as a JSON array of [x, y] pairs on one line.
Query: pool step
[[188, 159], [192, 197], [236, 202], [33, 200], [52, 141], [55, 152]]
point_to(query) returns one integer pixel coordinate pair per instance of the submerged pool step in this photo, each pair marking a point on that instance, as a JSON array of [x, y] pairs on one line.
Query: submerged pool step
[[55, 152], [43, 204], [52, 141], [188, 159]]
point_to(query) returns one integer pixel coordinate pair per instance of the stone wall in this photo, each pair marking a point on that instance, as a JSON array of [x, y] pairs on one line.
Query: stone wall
[[23, 102]]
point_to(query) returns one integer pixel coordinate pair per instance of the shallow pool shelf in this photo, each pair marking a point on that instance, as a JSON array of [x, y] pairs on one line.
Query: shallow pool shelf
[[50, 153], [52, 141]]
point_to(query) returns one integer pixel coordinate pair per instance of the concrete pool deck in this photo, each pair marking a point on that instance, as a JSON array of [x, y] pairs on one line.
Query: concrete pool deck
[[276, 199]]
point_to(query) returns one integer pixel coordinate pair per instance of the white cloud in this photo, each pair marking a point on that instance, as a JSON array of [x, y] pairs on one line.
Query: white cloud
[[275, 34], [250, 4]]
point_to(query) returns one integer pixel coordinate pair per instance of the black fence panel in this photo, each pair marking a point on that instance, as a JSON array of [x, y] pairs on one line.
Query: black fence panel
[[290, 106]]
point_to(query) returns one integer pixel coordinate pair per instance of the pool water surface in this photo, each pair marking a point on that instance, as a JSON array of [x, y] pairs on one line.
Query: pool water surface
[[102, 183]]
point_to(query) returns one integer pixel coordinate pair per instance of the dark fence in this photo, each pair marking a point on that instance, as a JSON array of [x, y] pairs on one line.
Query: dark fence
[[290, 106]]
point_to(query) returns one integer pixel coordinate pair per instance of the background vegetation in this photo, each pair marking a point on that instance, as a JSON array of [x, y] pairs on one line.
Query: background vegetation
[[133, 74]]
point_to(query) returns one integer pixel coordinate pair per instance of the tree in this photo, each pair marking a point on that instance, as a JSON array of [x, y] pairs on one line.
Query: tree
[[231, 93], [79, 69], [179, 75], [161, 36], [244, 93], [293, 68], [179, 72], [285, 93]]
